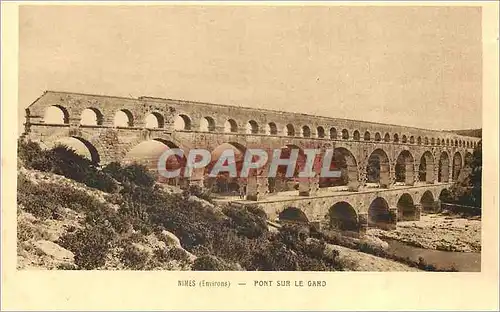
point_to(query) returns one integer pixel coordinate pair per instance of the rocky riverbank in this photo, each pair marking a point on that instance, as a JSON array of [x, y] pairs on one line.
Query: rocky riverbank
[[437, 231]]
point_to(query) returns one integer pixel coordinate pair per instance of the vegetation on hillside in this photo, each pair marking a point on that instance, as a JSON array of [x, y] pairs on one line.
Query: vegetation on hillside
[[132, 226]]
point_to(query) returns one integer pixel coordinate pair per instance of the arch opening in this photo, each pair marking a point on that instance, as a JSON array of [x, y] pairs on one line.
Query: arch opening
[[377, 137], [343, 160], [427, 201], [182, 122], [293, 215], [404, 168], [207, 124], [367, 136], [333, 133], [387, 137], [289, 130], [271, 129], [252, 127], [379, 214], [406, 208], [457, 165], [223, 183], [154, 120], [377, 168], [306, 132], [426, 168], [91, 117], [343, 217], [56, 115], [345, 134], [81, 147], [356, 135], [444, 168], [230, 126], [320, 132], [123, 118]]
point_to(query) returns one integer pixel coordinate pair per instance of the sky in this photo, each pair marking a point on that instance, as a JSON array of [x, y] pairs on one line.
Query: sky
[[413, 66]]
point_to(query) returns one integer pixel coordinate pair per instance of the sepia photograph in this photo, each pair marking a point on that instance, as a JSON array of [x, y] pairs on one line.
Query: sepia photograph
[[396, 112], [250, 137]]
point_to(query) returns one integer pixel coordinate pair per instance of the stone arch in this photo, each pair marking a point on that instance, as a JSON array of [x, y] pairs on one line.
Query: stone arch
[[447, 142], [81, 146], [56, 114], [231, 126], [387, 137], [419, 140], [207, 124], [379, 214], [426, 168], [271, 129], [182, 122], [456, 143], [367, 136], [406, 208], [377, 137], [91, 117], [293, 214], [320, 132], [404, 139], [444, 167], [457, 165], [355, 135], [289, 130], [154, 120], [333, 133], [442, 142], [438, 141], [343, 160], [282, 180], [148, 153], [427, 201], [412, 140], [343, 217], [404, 168], [426, 141], [345, 134], [252, 127], [396, 137], [223, 182], [123, 118], [377, 168], [433, 141], [306, 131], [445, 196]]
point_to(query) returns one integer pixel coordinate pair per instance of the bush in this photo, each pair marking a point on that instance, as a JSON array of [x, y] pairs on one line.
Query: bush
[[89, 245], [211, 263], [134, 257], [247, 222], [132, 174], [65, 161]]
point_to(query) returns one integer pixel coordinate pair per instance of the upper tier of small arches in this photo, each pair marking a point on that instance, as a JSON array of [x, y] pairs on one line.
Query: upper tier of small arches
[[123, 118]]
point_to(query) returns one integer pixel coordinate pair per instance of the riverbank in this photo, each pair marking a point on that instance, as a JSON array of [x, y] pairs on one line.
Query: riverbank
[[354, 260], [438, 232]]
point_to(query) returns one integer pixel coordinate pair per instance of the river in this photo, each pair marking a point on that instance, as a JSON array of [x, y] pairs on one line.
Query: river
[[462, 261]]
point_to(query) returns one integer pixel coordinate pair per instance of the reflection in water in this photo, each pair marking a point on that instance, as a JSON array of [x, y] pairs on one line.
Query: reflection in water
[[462, 261]]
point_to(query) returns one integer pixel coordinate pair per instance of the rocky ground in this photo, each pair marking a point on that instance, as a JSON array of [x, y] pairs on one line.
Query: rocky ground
[[437, 231]]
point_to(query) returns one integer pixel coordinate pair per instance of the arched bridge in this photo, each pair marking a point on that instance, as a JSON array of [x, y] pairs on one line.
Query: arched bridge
[[381, 160]]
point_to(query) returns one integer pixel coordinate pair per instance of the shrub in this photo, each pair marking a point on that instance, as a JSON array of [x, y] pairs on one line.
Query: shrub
[[247, 222], [132, 174], [134, 257], [89, 245], [211, 263]]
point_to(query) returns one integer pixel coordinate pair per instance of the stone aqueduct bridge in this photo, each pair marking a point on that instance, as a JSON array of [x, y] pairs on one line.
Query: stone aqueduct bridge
[[429, 159]]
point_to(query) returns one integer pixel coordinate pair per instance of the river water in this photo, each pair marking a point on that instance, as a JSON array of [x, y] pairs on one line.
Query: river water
[[462, 261]]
